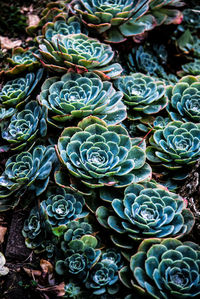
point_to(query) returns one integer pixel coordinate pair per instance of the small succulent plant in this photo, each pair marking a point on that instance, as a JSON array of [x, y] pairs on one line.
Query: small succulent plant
[[25, 126], [80, 256], [19, 90], [73, 290], [23, 60], [61, 207], [102, 155], [146, 211], [184, 99], [75, 230], [77, 96], [28, 170], [5, 114], [165, 269], [191, 68], [3, 270], [62, 25], [78, 52], [142, 94], [103, 278]]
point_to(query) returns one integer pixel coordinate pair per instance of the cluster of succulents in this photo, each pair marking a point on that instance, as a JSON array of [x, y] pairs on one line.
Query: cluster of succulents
[[100, 127]]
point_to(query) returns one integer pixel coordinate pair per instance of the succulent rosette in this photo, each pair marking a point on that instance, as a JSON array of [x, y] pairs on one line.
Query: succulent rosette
[[80, 256], [101, 155], [62, 25], [191, 68], [175, 147], [78, 52], [103, 278], [75, 230], [63, 207], [146, 211], [184, 99], [166, 269], [17, 91], [25, 126], [6, 113], [77, 96], [142, 94], [117, 20], [23, 60], [28, 170]]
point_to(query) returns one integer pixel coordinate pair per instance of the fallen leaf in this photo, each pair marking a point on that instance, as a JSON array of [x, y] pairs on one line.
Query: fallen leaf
[[32, 273], [8, 44], [57, 290], [33, 20], [3, 231]]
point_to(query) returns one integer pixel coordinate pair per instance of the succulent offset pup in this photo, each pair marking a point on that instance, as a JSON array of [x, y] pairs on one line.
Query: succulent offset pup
[[102, 155], [75, 96]]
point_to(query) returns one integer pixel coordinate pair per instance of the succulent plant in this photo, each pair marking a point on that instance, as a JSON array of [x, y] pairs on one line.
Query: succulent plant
[[62, 207], [62, 25], [25, 126], [142, 94], [102, 155], [6, 113], [73, 290], [75, 230], [165, 269], [103, 278], [78, 96], [175, 147], [149, 124], [78, 52], [184, 100], [28, 170], [144, 61], [17, 91], [23, 60], [3, 270], [117, 20], [191, 68], [37, 232], [80, 256], [191, 19], [146, 211]]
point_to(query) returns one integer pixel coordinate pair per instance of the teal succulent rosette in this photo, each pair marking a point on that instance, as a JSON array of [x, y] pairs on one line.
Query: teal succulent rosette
[[165, 269], [75, 96], [175, 147], [146, 211], [184, 99], [29, 170], [78, 52], [143, 95], [25, 126], [17, 91], [101, 155]]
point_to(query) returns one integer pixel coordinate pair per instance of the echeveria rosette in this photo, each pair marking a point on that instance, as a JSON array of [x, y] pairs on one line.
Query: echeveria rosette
[[176, 148], [80, 53], [28, 170], [146, 211], [184, 99], [142, 95], [18, 91], [6, 113], [73, 290], [191, 68], [103, 278], [62, 207], [23, 60], [25, 126], [3, 270], [101, 155], [80, 256], [116, 20], [165, 269], [77, 96], [62, 25], [75, 230]]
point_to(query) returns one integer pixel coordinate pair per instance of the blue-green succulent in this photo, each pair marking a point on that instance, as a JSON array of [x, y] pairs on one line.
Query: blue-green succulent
[[75, 96], [101, 155]]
